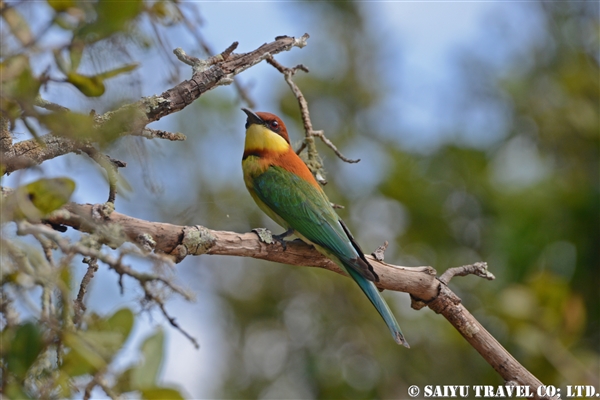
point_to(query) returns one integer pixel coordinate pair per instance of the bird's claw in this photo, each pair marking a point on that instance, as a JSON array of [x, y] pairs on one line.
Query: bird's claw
[[280, 238]]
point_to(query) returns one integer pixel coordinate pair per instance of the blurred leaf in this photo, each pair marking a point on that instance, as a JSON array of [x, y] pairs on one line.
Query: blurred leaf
[[19, 86], [61, 5], [83, 356], [66, 279], [10, 110], [122, 322], [18, 25], [50, 194], [12, 67], [123, 382], [117, 71], [75, 53], [123, 120], [111, 17], [14, 391], [164, 11], [161, 394], [110, 334], [61, 62], [23, 349], [37, 199], [70, 124], [93, 349], [144, 375], [91, 86]]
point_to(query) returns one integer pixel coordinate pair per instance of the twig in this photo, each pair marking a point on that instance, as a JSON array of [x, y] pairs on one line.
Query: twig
[[308, 127], [242, 92], [158, 134], [79, 306], [151, 296], [379, 253], [479, 269], [329, 143], [132, 118], [48, 105], [98, 380], [92, 257]]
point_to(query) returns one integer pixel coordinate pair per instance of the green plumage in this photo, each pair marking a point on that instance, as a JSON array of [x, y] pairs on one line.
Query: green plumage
[[295, 203]]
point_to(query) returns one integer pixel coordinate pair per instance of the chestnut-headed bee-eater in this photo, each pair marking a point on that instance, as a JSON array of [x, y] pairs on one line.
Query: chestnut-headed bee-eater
[[284, 188]]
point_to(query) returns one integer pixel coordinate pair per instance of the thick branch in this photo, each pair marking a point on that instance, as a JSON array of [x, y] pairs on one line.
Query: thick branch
[[449, 305], [420, 282], [181, 241]]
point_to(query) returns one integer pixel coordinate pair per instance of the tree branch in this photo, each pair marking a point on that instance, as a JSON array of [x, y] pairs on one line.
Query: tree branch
[[35, 151], [288, 73], [131, 119], [420, 282]]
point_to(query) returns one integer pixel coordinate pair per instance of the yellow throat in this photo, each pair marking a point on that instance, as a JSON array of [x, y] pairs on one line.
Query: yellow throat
[[259, 137]]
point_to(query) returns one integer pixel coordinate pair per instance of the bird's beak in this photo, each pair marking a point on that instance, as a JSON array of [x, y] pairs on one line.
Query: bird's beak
[[252, 118]]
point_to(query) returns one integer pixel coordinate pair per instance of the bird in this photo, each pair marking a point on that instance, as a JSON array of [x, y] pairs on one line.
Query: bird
[[284, 188]]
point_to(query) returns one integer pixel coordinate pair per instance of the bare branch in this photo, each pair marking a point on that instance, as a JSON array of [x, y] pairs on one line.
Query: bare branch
[[479, 269], [79, 306], [450, 306], [93, 255], [48, 105], [242, 92], [35, 151], [308, 127], [151, 296], [133, 118], [158, 134], [221, 73], [329, 143], [420, 282], [379, 253]]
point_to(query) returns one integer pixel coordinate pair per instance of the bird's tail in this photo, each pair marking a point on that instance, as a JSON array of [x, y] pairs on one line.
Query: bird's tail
[[373, 294]]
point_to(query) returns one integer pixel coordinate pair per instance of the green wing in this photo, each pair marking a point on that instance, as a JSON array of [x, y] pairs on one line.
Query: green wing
[[307, 210]]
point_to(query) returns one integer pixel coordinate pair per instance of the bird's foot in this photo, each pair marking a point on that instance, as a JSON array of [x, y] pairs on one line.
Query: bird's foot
[[279, 238]]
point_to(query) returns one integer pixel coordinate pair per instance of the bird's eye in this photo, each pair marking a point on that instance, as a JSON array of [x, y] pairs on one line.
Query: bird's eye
[[274, 125]]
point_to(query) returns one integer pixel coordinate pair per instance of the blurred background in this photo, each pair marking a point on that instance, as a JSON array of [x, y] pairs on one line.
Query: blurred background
[[477, 126]]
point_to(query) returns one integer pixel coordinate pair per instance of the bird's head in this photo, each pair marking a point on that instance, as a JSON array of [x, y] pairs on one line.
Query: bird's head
[[265, 132]]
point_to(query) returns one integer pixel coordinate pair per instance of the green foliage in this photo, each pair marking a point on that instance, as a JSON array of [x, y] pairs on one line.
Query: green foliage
[[110, 18], [88, 24], [36, 199], [26, 343], [142, 378], [18, 25], [30, 348], [62, 349], [90, 86]]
